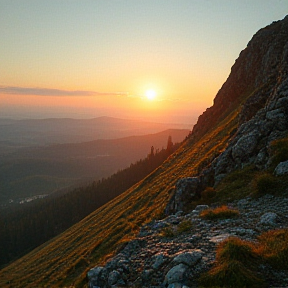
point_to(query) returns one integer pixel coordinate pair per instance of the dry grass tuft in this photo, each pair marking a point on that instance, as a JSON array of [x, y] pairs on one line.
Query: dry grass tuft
[[273, 247], [208, 194], [222, 212], [236, 266]]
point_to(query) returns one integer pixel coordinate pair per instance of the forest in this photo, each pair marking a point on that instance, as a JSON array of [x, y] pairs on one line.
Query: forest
[[25, 227]]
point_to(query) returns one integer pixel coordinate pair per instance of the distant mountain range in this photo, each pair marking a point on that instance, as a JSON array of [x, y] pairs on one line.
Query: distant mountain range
[[37, 132]]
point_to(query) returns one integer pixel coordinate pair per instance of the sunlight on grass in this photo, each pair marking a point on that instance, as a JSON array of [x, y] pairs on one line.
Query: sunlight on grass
[[236, 266], [103, 232], [222, 212]]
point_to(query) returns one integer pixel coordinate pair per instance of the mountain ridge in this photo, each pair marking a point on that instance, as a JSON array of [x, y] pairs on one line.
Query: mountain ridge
[[224, 150]]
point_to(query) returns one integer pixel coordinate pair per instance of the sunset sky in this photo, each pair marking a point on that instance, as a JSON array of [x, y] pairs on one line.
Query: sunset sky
[[90, 58]]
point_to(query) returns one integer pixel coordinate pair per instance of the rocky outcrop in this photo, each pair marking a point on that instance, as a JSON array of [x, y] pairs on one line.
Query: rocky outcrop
[[186, 190], [258, 80], [156, 261], [281, 169], [254, 77]]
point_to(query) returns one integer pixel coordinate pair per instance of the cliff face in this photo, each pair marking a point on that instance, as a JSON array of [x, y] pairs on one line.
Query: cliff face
[[258, 84], [254, 78]]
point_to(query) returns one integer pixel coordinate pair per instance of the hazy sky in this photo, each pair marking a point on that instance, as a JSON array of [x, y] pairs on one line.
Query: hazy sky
[[89, 58]]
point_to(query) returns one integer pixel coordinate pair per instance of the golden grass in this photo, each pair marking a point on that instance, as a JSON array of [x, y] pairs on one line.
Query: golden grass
[[236, 266], [237, 261], [222, 212], [65, 260], [273, 247]]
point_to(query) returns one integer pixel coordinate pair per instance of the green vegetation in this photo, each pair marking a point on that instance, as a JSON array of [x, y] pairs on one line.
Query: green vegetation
[[236, 185], [265, 183], [222, 212], [279, 151]]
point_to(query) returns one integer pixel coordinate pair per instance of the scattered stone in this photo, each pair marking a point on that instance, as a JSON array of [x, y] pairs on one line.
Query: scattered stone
[[281, 169], [160, 259], [113, 277], [268, 219], [97, 277], [219, 238], [177, 274], [189, 258], [199, 208]]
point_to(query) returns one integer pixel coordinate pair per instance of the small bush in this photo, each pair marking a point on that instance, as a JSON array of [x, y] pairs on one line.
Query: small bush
[[208, 193], [236, 264], [167, 232], [273, 247], [184, 226], [279, 151], [231, 274], [222, 212], [236, 249], [265, 184]]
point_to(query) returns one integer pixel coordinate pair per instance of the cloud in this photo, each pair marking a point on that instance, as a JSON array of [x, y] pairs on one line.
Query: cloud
[[54, 92]]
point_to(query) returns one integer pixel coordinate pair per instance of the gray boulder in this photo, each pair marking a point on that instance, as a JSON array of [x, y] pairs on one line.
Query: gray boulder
[[177, 274], [199, 208], [159, 260], [97, 277], [113, 277], [186, 190], [245, 146], [268, 219], [189, 258], [281, 169]]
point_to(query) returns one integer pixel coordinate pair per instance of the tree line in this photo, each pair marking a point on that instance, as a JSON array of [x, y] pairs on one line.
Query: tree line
[[25, 227]]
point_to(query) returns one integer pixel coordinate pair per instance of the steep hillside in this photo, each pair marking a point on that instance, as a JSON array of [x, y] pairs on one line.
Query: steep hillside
[[231, 145]]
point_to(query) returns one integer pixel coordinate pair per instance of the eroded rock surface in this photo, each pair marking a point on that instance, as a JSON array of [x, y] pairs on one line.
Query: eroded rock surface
[[153, 260]]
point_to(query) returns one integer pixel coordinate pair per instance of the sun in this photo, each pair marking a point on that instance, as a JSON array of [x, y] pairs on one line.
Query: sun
[[150, 94]]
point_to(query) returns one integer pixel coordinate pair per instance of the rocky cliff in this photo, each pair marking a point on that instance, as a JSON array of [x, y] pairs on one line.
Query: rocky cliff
[[176, 250]]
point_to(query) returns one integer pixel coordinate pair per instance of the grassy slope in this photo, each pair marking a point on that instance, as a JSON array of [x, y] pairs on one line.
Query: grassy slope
[[64, 261]]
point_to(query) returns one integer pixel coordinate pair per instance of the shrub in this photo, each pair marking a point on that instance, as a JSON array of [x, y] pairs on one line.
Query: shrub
[[222, 212], [236, 264], [208, 193], [184, 226], [235, 249], [273, 247], [279, 151], [265, 184], [167, 232], [231, 274]]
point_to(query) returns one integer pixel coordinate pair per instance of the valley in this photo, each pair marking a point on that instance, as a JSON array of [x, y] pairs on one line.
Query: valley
[[30, 171]]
